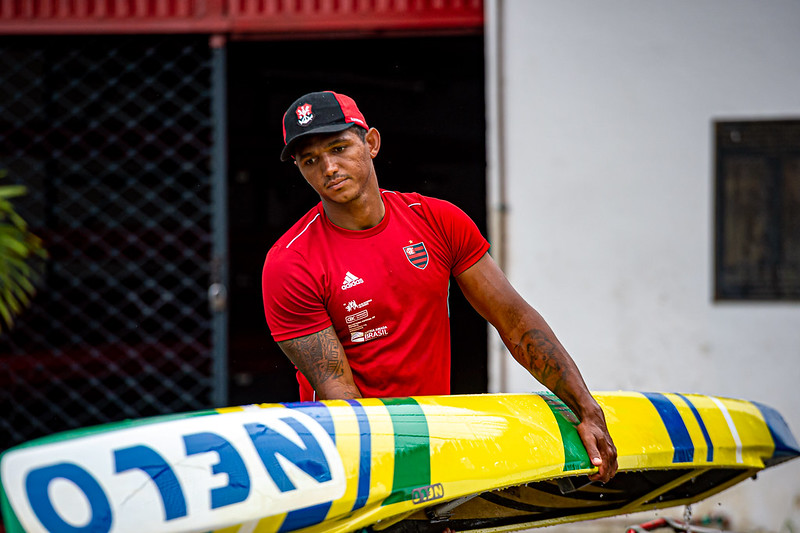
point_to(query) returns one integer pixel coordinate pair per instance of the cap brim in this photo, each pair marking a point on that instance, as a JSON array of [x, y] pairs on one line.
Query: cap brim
[[288, 151]]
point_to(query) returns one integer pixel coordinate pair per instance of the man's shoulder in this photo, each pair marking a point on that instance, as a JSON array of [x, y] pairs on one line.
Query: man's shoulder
[[300, 234], [427, 207], [416, 200]]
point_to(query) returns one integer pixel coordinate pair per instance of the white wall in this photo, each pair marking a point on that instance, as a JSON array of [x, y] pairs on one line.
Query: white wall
[[607, 113]]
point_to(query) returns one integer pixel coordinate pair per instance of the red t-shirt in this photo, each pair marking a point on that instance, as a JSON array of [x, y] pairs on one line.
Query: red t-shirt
[[385, 290]]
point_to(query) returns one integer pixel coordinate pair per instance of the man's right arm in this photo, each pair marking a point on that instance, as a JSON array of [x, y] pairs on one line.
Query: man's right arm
[[321, 358]]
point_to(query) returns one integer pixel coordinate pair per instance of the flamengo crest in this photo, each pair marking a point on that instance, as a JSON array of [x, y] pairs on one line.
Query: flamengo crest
[[417, 255], [304, 114]]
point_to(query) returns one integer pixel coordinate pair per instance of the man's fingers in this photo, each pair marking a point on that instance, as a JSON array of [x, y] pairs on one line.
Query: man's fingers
[[591, 449], [601, 474], [594, 453], [603, 456], [600, 449], [611, 458], [607, 465]]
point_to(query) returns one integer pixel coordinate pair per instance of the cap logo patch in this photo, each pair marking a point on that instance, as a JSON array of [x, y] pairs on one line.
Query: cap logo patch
[[304, 114]]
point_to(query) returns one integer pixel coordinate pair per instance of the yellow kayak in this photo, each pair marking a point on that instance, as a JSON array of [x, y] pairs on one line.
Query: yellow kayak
[[490, 462]]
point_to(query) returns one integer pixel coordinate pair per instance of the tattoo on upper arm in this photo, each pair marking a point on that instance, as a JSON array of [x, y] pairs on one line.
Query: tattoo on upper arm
[[542, 357], [318, 355]]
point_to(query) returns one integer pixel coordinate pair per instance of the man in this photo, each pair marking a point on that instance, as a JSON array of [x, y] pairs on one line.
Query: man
[[355, 293]]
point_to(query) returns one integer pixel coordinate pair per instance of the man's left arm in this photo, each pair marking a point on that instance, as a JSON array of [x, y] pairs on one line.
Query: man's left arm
[[534, 345]]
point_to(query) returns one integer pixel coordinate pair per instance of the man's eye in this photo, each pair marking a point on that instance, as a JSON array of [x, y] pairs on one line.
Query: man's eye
[[308, 162], [338, 149]]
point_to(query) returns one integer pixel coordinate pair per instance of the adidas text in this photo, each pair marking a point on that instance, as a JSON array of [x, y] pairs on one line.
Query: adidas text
[[351, 281]]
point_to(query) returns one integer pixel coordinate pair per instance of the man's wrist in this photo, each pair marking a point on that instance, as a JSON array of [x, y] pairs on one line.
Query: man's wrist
[[588, 408]]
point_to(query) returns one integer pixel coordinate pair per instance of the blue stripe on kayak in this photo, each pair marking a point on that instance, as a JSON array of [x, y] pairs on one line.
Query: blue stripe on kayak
[[678, 434], [310, 516], [365, 461], [709, 444], [785, 445], [319, 412]]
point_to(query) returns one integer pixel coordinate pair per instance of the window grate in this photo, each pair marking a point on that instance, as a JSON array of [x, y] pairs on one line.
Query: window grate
[[112, 136]]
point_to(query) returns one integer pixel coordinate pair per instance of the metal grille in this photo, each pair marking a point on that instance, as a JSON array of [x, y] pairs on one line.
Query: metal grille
[[113, 138], [758, 210]]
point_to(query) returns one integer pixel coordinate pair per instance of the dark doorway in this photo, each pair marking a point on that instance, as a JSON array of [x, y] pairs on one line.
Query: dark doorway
[[425, 95]]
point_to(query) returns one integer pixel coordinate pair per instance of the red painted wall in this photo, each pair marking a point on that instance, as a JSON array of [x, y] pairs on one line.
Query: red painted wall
[[236, 17]]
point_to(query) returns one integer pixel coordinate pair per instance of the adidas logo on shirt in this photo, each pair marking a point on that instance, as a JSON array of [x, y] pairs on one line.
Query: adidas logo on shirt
[[351, 281]]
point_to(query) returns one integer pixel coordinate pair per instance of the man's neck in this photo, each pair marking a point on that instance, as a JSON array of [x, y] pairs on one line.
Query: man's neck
[[362, 213]]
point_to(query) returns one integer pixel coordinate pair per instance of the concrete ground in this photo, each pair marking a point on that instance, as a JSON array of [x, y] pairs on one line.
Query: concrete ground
[[620, 524]]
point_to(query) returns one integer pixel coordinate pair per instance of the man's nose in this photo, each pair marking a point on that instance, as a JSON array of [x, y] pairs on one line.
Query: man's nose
[[329, 164]]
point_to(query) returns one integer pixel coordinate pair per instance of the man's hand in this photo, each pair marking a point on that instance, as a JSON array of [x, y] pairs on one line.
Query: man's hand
[[599, 446]]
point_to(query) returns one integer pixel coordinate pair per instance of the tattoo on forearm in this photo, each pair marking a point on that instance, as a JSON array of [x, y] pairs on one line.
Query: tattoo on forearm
[[542, 357], [325, 369], [318, 354]]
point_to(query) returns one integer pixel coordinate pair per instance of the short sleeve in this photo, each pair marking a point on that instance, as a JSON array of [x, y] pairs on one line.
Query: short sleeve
[[465, 241], [293, 298]]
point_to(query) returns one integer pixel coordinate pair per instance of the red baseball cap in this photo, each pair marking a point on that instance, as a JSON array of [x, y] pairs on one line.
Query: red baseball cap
[[319, 112]]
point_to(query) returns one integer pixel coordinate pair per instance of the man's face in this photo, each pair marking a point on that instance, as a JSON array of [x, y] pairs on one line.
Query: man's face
[[338, 165]]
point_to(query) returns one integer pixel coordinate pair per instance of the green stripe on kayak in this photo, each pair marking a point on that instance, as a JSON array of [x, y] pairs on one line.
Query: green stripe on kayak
[[575, 456], [412, 449], [10, 519]]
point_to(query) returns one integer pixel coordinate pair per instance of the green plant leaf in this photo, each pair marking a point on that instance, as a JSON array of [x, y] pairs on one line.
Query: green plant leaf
[[13, 191], [21, 257]]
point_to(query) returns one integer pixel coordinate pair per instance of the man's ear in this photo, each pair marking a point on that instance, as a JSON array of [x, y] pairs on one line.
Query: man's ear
[[373, 140]]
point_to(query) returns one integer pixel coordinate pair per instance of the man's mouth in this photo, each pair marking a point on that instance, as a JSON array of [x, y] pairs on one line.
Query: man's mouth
[[335, 182]]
